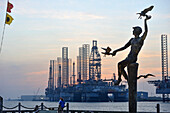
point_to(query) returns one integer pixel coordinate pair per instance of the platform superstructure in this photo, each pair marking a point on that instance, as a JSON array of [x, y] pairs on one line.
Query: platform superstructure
[[163, 86]]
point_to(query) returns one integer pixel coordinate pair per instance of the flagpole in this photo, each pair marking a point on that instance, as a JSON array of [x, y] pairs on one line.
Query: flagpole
[[4, 28], [2, 37]]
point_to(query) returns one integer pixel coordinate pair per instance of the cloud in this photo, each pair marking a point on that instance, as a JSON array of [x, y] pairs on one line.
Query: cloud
[[162, 16], [155, 71], [53, 14], [37, 73], [150, 55]]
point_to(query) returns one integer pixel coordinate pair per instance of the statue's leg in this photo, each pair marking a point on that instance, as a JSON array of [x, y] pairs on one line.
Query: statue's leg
[[121, 66], [124, 73], [121, 71]]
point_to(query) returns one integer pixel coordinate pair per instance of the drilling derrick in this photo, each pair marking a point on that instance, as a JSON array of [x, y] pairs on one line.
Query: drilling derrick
[[65, 67], [94, 63], [51, 82], [59, 60], [73, 73], [163, 86], [165, 78], [164, 57]]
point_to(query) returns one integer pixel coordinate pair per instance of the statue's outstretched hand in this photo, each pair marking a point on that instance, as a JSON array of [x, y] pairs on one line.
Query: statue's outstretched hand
[[148, 17], [114, 53]]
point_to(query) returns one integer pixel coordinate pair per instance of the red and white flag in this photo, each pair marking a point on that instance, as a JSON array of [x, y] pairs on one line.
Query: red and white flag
[[9, 7]]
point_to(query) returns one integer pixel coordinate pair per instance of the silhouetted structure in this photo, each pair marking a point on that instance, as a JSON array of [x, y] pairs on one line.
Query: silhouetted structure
[[51, 82], [78, 67], [95, 63], [90, 90], [83, 62], [65, 67], [74, 73], [164, 51], [163, 86], [59, 71], [70, 71], [52, 78]]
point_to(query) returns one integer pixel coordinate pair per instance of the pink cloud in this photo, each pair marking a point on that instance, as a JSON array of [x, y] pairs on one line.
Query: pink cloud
[[150, 55], [38, 73]]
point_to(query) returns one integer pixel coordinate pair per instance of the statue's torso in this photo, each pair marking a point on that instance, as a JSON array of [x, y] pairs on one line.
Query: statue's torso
[[136, 45]]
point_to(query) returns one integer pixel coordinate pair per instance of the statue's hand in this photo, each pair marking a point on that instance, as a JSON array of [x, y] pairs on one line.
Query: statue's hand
[[148, 17], [114, 53]]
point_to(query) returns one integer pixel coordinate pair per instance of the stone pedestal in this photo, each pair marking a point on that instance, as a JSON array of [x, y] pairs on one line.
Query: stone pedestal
[[132, 81]]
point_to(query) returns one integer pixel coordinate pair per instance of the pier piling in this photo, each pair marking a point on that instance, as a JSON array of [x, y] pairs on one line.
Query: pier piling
[[67, 107], [158, 108], [1, 104], [132, 81], [42, 105], [19, 107]]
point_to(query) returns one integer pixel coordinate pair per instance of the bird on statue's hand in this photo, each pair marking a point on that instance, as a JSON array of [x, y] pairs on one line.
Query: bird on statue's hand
[[107, 51], [143, 13]]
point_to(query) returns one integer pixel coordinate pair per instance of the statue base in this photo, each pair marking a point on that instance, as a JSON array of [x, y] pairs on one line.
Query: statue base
[[132, 81]]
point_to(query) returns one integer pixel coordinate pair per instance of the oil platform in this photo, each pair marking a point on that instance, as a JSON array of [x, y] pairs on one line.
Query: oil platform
[[163, 86], [89, 87]]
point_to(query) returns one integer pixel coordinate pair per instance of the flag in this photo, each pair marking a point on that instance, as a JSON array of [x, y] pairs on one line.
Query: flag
[[9, 7], [9, 19]]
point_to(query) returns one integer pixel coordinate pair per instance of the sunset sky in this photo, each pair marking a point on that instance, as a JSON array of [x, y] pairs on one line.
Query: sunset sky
[[42, 27]]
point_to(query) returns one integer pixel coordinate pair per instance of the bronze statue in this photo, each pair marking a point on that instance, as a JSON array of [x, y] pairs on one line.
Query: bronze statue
[[136, 44]]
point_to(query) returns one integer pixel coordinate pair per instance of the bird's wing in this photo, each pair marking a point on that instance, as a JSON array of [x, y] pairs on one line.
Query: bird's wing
[[150, 75], [147, 9], [103, 52], [140, 76], [104, 48]]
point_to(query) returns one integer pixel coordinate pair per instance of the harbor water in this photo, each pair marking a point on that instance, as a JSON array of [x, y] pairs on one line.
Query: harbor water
[[100, 106]]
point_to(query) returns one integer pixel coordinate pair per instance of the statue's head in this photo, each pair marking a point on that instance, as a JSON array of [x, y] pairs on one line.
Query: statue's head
[[137, 30]]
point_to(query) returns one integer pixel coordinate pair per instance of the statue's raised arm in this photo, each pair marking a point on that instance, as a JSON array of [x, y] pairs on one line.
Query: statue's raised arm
[[143, 13], [145, 27]]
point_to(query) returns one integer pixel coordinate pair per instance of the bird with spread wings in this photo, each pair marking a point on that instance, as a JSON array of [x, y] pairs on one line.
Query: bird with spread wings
[[145, 76], [143, 13], [107, 51]]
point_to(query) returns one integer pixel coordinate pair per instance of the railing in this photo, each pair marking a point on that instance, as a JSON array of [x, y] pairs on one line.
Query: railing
[[36, 109]]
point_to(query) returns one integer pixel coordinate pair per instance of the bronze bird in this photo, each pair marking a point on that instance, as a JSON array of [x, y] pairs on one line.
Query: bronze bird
[[143, 13], [145, 76], [107, 51]]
